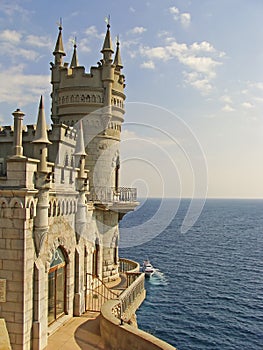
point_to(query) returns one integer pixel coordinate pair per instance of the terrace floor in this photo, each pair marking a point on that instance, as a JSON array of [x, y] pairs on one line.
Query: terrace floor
[[78, 333]]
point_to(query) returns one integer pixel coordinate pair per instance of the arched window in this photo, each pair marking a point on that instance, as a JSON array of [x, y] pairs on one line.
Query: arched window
[[95, 262], [57, 286]]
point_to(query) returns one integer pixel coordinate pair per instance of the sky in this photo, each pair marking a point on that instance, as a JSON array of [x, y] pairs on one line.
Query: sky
[[194, 75]]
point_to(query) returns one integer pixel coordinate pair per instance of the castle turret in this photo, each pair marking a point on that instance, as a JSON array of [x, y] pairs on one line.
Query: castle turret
[[107, 68], [59, 49], [56, 74], [117, 60], [74, 61]]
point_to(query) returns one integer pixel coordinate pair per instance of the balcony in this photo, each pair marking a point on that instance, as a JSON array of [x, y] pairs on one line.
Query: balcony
[[121, 199]]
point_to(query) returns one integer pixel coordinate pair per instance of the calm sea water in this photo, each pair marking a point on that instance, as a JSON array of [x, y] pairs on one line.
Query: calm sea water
[[207, 293]]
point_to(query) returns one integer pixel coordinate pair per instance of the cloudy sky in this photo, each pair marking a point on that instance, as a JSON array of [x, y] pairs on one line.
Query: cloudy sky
[[194, 74]]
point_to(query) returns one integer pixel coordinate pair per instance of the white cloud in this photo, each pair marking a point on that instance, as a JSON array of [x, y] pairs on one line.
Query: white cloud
[[138, 30], [200, 59], [38, 41], [92, 32], [247, 105], [131, 9], [10, 36], [11, 8], [227, 99], [228, 108], [174, 10], [148, 65], [13, 50], [204, 46], [24, 87], [155, 53], [199, 82], [185, 19]]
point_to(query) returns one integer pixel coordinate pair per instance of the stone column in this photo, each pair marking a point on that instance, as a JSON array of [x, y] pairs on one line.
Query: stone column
[[18, 118]]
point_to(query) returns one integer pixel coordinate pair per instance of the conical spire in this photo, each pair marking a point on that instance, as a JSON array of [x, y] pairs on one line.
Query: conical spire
[[59, 49], [41, 129], [107, 46], [117, 59], [80, 147], [74, 62]]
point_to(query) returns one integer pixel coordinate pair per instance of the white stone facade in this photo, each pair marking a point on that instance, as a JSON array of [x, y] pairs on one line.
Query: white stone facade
[[60, 202]]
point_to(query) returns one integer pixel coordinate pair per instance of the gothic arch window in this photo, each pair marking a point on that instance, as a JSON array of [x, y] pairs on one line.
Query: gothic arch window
[[31, 210], [72, 98], [63, 208], [54, 209], [95, 259], [49, 209], [88, 98], [66, 208], [57, 288], [59, 207], [93, 99], [62, 175], [117, 171], [82, 98], [98, 99], [66, 162]]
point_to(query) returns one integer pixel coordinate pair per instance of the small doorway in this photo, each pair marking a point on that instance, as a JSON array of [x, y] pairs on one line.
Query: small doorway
[[57, 286]]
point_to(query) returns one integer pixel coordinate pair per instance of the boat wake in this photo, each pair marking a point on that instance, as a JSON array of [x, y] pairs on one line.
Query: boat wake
[[158, 278]]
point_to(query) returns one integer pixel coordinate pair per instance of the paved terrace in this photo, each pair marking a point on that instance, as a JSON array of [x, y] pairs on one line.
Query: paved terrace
[[78, 333], [82, 332]]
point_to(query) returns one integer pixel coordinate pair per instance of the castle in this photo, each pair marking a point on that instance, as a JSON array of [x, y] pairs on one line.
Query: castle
[[60, 198]]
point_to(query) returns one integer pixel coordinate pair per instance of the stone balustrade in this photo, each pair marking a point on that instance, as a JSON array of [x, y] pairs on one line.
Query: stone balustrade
[[122, 336], [126, 265], [112, 194]]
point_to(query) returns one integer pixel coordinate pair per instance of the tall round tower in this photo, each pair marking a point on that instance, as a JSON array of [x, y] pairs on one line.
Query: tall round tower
[[97, 98]]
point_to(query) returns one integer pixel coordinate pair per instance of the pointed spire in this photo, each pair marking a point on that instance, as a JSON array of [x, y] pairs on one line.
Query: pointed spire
[[107, 45], [74, 62], [59, 49], [41, 129], [80, 146], [117, 59]]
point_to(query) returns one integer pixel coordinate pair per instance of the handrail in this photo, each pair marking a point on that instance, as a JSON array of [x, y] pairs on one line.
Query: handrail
[[98, 294]]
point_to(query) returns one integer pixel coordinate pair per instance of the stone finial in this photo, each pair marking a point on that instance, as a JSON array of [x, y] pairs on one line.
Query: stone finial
[[41, 138], [18, 118], [80, 146], [41, 129]]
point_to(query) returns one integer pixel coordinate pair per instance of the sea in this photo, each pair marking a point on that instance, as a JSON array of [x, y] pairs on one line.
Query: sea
[[207, 289]]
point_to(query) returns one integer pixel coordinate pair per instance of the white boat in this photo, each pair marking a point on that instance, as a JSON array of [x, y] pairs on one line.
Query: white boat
[[148, 268]]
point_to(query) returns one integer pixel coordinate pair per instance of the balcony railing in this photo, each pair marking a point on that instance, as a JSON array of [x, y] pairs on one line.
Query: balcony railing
[[126, 265], [112, 194], [131, 298]]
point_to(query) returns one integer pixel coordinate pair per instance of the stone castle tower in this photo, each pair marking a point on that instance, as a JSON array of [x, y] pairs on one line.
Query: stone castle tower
[[60, 199]]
